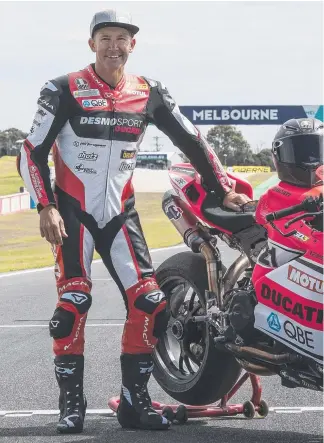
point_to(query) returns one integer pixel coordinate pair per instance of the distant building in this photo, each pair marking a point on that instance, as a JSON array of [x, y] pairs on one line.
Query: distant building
[[157, 159]]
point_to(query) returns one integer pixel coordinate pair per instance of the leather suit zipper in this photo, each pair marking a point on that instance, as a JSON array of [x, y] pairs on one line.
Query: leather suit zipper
[[111, 128]]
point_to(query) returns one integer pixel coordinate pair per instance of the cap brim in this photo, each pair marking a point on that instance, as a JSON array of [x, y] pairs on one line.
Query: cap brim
[[132, 28]]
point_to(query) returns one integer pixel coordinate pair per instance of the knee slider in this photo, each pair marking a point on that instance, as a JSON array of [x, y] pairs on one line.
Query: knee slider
[[80, 300], [61, 324], [149, 301], [160, 323]]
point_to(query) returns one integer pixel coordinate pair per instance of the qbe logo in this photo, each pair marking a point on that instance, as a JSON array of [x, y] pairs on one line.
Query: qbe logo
[[95, 103]]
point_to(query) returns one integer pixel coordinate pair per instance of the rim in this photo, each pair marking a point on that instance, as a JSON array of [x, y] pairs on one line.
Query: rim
[[181, 351]]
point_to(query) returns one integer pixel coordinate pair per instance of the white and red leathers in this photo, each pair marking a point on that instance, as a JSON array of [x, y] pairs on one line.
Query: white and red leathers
[[95, 132]]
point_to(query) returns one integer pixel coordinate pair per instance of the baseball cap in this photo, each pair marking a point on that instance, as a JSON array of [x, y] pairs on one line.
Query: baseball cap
[[110, 17]]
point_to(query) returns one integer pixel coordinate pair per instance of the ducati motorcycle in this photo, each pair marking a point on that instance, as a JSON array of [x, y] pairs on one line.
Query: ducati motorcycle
[[263, 314]]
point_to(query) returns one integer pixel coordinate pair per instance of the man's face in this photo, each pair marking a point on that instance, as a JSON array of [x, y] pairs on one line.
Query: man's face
[[112, 46]]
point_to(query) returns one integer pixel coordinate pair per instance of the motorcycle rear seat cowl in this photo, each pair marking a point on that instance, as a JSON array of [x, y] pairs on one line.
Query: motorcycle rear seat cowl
[[225, 218]]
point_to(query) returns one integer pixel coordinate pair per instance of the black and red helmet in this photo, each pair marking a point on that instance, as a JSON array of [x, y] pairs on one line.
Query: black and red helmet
[[297, 151]]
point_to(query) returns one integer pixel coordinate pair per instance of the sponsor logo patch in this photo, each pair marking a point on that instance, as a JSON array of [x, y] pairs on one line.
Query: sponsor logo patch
[[81, 284], [86, 93], [81, 84], [107, 121], [36, 181], [127, 166], [82, 169], [173, 212], [94, 103], [296, 309], [301, 236], [298, 334], [90, 156], [127, 155], [273, 322], [305, 280]]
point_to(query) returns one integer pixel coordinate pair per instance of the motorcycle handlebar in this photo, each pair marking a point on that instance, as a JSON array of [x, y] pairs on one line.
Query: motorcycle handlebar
[[289, 211]]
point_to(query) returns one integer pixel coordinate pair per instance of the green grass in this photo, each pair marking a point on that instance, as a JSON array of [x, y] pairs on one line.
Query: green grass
[[256, 179], [21, 246], [10, 181]]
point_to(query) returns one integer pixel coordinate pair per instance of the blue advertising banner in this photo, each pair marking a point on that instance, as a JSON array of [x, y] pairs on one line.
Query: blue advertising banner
[[249, 115]]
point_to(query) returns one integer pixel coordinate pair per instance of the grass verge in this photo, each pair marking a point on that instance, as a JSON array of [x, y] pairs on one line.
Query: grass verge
[[10, 180], [256, 179], [21, 246]]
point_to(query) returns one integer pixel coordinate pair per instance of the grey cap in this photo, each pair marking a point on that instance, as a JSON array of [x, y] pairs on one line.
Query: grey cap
[[110, 17]]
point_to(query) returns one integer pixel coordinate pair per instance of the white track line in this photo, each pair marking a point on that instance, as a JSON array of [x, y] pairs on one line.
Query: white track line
[[108, 412], [91, 325], [50, 268]]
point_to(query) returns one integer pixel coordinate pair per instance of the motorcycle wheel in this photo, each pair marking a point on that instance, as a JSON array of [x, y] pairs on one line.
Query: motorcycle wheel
[[187, 377]]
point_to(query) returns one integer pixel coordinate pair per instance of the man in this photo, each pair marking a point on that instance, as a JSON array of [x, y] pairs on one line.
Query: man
[[95, 119]]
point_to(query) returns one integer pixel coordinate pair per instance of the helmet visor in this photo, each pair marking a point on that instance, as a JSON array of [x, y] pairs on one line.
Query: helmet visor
[[301, 149]]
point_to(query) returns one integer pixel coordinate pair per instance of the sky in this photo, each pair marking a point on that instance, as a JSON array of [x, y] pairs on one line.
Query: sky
[[206, 53]]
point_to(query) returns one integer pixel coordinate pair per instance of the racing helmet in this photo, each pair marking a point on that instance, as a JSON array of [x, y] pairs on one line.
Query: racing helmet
[[297, 152]]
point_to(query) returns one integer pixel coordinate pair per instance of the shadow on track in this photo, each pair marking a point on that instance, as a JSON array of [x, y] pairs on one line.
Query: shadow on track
[[107, 430]]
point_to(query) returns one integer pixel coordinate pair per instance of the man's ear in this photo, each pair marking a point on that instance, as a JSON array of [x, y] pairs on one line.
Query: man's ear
[[133, 43], [92, 44]]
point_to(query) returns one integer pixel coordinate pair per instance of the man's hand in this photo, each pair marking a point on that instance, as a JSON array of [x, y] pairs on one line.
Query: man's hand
[[232, 200], [51, 225]]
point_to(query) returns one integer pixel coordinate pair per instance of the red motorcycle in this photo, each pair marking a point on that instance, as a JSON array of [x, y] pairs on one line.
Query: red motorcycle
[[264, 313]]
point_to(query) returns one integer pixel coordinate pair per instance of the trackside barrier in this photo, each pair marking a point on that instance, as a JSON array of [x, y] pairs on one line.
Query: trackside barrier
[[14, 203]]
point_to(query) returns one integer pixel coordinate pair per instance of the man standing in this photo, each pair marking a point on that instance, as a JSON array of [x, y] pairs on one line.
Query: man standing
[[95, 120]]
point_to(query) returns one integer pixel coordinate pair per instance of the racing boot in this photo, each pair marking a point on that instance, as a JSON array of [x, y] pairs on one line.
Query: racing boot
[[72, 402], [135, 407]]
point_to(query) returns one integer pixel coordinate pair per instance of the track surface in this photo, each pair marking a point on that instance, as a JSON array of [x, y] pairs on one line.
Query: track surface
[[27, 378]]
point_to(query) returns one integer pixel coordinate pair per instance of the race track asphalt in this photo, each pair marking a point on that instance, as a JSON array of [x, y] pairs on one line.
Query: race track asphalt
[[28, 391]]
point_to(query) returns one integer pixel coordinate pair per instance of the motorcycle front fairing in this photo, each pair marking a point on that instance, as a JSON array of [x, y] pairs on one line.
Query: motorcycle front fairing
[[288, 277]]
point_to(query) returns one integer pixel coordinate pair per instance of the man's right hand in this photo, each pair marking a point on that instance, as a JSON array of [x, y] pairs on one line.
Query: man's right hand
[[51, 225]]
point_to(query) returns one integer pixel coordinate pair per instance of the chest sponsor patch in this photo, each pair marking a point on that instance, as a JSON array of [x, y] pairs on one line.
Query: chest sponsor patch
[[86, 93], [94, 103]]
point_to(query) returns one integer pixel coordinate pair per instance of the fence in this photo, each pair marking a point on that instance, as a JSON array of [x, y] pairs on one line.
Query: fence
[[15, 203]]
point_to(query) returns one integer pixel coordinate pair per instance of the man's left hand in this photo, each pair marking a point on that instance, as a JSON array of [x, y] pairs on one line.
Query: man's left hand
[[233, 200]]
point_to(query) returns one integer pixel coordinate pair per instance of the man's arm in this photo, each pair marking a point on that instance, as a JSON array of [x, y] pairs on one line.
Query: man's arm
[[49, 119], [32, 163], [166, 116]]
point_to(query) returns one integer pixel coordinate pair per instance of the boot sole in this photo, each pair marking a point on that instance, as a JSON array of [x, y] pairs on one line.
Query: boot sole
[[69, 430], [145, 427]]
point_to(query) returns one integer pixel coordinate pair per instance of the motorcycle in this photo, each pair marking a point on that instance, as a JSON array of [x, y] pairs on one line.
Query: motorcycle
[[263, 314]]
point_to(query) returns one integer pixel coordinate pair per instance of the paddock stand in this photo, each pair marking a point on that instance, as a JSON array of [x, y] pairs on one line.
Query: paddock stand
[[180, 413]]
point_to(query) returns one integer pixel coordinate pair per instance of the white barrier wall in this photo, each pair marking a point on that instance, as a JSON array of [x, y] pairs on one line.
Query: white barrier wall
[[14, 203]]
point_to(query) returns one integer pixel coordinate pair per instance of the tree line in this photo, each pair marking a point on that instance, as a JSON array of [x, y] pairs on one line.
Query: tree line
[[8, 139], [233, 150], [227, 141]]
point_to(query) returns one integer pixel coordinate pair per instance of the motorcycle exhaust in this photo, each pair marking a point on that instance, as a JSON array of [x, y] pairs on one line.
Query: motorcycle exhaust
[[234, 271], [248, 352], [182, 219], [255, 369], [186, 223]]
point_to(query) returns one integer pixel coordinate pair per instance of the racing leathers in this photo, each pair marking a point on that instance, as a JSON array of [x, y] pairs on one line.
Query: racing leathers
[[95, 132]]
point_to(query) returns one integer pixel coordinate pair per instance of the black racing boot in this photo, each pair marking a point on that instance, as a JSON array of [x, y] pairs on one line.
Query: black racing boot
[[72, 402], [135, 407]]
